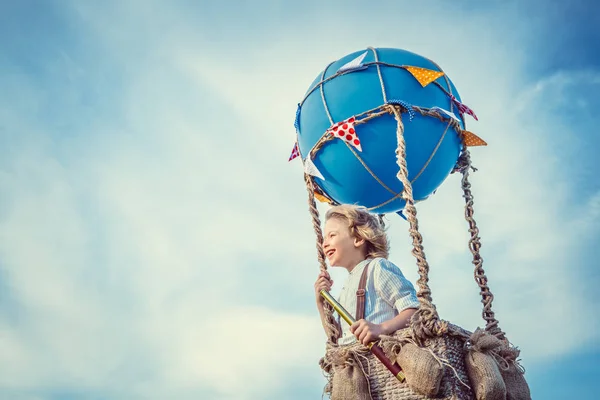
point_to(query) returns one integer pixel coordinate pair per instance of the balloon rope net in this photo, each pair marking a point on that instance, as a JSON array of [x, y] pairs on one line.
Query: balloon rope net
[[426, 322], [386, 110]]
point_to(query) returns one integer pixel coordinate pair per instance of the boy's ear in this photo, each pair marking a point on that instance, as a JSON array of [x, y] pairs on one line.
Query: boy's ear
[[358, 242]]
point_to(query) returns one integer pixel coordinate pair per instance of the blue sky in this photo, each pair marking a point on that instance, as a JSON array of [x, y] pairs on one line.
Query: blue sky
[[153, 237]]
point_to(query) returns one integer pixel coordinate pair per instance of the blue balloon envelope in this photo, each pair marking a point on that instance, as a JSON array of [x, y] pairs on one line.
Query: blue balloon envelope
[[347, 136]]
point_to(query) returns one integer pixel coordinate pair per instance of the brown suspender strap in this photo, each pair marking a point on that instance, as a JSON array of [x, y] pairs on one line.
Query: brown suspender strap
[[360, 294]]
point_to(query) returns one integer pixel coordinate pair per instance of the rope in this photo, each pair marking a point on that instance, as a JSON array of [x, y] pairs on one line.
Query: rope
[[323, 95], [433, 153], [449, 91], [464, 165], [370, 171], [333, 331], [425, 322], [379, 74]]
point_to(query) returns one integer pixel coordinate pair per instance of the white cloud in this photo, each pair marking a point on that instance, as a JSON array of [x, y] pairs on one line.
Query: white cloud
[[242, 352]]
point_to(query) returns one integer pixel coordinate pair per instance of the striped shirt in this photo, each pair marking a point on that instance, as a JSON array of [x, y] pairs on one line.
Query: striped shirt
[[388, 293]]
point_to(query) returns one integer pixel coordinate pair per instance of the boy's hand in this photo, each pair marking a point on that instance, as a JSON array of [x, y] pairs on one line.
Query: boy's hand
[[366, 332], [323, 282]]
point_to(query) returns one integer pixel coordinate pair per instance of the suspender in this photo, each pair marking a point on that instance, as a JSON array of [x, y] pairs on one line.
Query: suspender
[[360, 294]]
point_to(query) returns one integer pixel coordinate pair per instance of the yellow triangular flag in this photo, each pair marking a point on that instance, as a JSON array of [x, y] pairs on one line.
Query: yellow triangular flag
[[423, 75], [472, 139]]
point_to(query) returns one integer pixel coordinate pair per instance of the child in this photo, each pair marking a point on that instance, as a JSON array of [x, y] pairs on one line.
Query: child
[[354, 239]]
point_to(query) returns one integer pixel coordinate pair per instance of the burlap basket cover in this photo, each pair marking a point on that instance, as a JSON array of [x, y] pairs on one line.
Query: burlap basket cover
[[384, 386]]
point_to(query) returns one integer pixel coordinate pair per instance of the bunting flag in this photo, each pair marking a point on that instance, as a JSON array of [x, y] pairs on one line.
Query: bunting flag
[[471, 139], [321, 198], [345, 130], [311, 169], [423, 75], [405, 105], [448, 113], [353, 65], [295, 152], [463, 109]]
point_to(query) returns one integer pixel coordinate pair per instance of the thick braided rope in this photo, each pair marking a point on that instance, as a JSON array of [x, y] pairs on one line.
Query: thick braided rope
[[332, 328], [425, 322], [487, 297]]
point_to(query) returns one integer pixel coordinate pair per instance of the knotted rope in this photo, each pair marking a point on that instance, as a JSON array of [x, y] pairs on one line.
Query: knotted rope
[[425, 322], [464, 166], [333, 331]]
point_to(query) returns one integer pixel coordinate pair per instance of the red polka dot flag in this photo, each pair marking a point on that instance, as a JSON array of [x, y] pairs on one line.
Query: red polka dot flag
[[295, 152], [345, 130]]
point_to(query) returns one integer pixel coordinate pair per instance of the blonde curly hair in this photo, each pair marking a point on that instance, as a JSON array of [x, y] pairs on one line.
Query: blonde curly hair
[[363, 225]]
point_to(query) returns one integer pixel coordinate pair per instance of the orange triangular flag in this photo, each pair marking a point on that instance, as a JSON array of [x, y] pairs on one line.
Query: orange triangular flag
[[472, 139], [321, 198], [423, 75]]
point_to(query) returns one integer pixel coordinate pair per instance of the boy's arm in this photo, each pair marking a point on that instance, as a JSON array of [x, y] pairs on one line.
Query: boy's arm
[[400, 321], [367, 332], [393, 288]]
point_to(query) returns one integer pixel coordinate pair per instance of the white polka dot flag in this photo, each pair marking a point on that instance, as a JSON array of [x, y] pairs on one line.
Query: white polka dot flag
[[423, 75], [354, 65], [345, 130], [472, 139]]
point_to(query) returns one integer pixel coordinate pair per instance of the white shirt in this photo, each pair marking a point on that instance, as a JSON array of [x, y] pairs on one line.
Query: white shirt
[[388, 293]]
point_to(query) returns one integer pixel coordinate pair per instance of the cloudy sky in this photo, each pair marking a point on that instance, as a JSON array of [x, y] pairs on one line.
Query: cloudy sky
[[155, 243]]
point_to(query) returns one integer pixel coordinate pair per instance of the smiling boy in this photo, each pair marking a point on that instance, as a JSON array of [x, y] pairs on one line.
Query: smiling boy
[[354, 240]]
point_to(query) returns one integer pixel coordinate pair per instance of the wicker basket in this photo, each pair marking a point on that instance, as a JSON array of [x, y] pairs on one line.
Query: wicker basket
[[385, 386]]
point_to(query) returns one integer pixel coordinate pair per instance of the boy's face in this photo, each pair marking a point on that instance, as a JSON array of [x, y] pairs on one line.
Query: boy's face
[[341, 248]]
